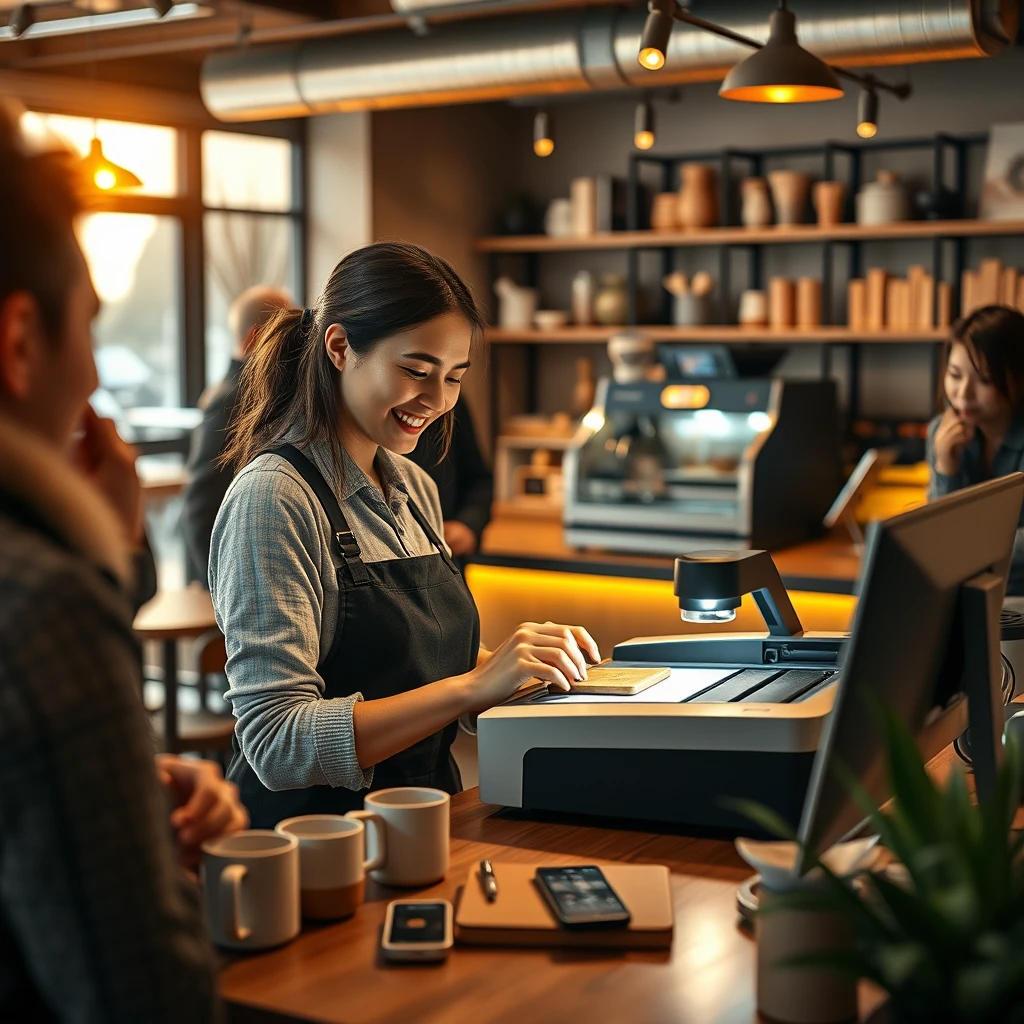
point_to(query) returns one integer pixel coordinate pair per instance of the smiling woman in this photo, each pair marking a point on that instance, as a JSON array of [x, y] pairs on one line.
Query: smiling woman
[[353, 642]]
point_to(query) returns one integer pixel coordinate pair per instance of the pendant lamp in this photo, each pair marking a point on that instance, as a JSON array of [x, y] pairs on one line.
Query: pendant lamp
[[782, 71], [104, 173]]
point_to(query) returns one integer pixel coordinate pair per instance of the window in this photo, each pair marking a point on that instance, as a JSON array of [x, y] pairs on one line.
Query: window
[[247, 172]]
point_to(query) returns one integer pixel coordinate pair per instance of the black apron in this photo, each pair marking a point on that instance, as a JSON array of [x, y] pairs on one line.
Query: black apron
[[401, 623]]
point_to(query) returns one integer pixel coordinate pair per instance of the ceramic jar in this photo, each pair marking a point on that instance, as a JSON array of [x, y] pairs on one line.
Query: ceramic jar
[[808, 302], [883, 201], [689, 310], [698, 201], [789, 192], [583, 298], [828, 202], [583, 201], [665, 212], [558, 222], [753, 309], [756, 209], [516, 305], [611, 303], [781, 303]]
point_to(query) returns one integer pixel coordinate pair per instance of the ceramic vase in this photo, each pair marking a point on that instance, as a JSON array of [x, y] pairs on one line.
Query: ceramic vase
[[698, 201], [585, 386], [789, 192], [611, 303], [753, 309], [756, 203], [883, 201], [665, 212], [583, 298], [516, 305], [828, 202]]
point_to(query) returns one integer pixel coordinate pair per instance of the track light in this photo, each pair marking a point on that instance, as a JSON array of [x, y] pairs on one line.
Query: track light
[[782, 71], [22, 18], [867, 114], [657, 29], [161, 6], [543, 143], [643, 125]]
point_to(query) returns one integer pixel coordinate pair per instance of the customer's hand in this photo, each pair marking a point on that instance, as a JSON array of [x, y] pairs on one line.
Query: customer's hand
[[459, 537], [108, 463], [205, 804], [950, 439], [536, 650]]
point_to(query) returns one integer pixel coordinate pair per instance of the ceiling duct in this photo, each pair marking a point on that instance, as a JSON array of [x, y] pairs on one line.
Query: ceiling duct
[[578, 51]]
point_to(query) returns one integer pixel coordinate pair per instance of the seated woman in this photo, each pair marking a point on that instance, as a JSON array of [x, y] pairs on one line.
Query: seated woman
[[353, 642], [981, 433]]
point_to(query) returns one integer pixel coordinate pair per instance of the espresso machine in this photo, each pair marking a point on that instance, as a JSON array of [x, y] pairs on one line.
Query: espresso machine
[[686, 453]]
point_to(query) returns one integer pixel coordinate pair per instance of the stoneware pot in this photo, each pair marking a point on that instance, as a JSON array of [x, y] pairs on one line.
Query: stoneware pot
[[789, 192], [756, 203], [883, 201], [665, 211], [611, 303], [753, 309], [698, 201], [828, 202], [516, 305]]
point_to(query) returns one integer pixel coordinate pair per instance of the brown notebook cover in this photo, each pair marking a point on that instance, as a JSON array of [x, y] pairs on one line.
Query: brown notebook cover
[[520, 917]]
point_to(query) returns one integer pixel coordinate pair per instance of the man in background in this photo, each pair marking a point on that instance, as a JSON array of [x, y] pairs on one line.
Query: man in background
[[465, 484], [99, 923], [207, 480]]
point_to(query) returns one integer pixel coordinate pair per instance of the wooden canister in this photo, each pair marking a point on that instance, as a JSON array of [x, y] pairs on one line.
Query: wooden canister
[[875, 318], [944, 304], [781, 303], [856, 304], [808, 302]]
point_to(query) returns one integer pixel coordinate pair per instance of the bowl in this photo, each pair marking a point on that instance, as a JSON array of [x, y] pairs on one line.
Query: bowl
[[550, 319]]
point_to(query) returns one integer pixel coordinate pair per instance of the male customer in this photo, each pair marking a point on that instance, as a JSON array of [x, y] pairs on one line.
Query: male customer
[[98, 920], [207, 479], [464, 483]]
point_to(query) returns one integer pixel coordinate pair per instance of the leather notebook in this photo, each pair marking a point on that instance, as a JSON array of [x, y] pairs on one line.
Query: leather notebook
[[520, 917]]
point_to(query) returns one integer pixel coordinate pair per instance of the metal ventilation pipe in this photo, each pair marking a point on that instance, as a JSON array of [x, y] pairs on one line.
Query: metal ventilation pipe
[[578, 51]]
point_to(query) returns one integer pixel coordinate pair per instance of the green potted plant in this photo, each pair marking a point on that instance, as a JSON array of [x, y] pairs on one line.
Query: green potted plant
[[943, 933]]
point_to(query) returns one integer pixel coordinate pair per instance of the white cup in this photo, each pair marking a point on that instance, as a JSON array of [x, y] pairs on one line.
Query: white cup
[[251, 889], [416, 825], [332, 863]]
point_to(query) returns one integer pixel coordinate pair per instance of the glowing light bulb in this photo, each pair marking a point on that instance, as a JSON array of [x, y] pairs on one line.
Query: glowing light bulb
[[643, 140], [544, 147], [104, 179], [867, 130], [652, 58]]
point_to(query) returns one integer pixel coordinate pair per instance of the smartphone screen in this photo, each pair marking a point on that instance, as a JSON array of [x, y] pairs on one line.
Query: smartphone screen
[[418, 922], [582, 897]]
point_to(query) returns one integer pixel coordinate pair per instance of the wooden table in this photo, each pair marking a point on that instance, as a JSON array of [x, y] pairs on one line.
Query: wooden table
[[171, 616], [334, 973]]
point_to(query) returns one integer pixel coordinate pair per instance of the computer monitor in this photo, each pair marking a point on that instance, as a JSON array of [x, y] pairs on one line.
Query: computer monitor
[[925, 643]]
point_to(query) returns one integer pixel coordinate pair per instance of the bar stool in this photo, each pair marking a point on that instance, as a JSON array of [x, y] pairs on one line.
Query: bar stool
[[171, 616]]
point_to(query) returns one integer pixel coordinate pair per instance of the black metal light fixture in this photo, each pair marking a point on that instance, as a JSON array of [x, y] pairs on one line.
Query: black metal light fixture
[[643, 125], [657, 30], [543, 143], [867, 113], [782, 71], [22, 18]]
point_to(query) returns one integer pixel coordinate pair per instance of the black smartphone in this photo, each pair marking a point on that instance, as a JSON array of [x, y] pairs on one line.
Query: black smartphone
[[580, 897]]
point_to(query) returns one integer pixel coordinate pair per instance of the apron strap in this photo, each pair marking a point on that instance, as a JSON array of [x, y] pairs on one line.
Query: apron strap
[[432, 536], [346, 542]]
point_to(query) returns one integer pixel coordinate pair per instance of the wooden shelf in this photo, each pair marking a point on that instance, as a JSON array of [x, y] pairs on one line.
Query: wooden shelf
[[779, 235], [756, 335]]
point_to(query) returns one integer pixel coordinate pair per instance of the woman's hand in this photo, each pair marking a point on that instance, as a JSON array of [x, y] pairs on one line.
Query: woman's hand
[[950, 439], [536, 650], [205, 804]]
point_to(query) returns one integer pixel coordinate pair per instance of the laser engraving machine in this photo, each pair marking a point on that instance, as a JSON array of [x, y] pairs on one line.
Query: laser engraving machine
[[742, 715]]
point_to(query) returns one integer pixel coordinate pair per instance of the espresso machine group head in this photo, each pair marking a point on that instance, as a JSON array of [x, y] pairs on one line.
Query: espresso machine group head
[[710, 586]]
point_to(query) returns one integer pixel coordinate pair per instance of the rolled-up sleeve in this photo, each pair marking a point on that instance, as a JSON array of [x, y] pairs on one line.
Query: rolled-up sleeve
[[266, 560], [939, 484]]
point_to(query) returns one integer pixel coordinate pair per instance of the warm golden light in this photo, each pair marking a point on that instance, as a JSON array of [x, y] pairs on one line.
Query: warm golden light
[[104, 179], [643, 140], [867, 130], [782, 93], [113, 244], [544, 147], [652, 58], [685, 396]]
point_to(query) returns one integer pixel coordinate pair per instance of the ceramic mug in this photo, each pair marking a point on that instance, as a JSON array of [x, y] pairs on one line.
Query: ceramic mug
[[332, 861], [417, 834], [250, 884]]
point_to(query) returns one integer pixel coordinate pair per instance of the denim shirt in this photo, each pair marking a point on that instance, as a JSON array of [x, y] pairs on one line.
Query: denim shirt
[[1009, 458]]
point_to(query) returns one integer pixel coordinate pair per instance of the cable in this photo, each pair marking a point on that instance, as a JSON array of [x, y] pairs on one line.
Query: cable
[[1008, 688]]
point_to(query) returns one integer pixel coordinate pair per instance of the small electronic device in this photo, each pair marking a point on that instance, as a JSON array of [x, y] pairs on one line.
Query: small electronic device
[[580, 897], [417, 931]]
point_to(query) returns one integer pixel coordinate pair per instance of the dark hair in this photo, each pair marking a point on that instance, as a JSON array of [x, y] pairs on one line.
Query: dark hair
[[39, 199], [374, 293], [994, 339]]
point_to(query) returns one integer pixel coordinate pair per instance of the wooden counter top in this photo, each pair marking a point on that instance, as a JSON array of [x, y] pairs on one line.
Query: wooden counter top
[[829, 565]]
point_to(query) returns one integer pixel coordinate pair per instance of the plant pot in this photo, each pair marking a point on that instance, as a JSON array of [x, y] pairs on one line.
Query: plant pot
[[789, 192], [828, 202], [691, 310], [698, 201], [756, 203]]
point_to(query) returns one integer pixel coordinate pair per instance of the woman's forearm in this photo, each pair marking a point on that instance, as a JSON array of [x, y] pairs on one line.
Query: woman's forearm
[[389, 725]]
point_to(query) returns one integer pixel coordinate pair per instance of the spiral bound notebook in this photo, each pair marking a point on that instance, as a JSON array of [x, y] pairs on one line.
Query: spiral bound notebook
[[520, 917]]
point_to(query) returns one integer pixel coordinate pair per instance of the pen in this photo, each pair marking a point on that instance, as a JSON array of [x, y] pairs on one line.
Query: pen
[[488, 881]]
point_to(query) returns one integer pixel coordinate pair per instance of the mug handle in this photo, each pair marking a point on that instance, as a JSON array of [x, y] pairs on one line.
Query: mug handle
[[378, 827], [231, 896]]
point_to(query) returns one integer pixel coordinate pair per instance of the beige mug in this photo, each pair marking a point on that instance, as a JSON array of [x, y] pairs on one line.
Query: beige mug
[[417, 834], [332, 861], [250, 886]]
